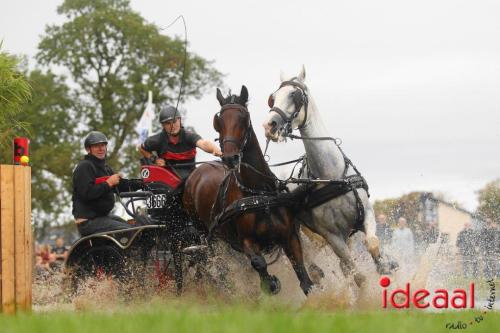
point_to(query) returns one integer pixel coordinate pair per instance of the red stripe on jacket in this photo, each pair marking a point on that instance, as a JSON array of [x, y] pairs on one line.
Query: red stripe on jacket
[[100, 180], [187, 155]]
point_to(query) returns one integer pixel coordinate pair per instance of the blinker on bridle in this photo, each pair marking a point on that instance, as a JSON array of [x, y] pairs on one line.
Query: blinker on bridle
[[240, 144], [299, 103]]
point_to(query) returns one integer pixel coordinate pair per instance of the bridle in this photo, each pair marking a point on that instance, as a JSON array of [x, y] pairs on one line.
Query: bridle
[[300, 99], [240, 143]]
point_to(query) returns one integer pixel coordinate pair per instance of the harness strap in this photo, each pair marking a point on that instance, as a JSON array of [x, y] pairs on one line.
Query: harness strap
[[287, 162], [253, 204], [334, 189], [218, 204]]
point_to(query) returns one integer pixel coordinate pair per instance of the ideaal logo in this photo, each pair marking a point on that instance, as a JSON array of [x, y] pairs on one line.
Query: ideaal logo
[[439, 299], [423, 298]]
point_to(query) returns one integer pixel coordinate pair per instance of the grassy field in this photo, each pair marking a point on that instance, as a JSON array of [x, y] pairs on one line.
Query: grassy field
[[236, 318]]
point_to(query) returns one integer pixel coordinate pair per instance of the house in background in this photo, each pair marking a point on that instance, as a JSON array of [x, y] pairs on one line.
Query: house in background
[[427, 215], [449, 217]]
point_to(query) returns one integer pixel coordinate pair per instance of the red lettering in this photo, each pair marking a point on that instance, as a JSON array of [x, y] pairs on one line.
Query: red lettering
[[406, 293], [471, 293], [459, 294], [443, 296], [384, 282], [401, 298], [418, 298]]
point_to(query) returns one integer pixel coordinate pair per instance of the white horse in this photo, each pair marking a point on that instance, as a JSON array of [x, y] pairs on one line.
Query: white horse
[[335, 220]]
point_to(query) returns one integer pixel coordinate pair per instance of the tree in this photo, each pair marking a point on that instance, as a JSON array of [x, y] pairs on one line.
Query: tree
[[50, 126], [114, 57], [489, 201], [14, 92], [407, 206], [54, 150]]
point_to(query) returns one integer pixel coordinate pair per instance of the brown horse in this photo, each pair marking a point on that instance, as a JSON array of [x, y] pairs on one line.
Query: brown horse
[[213, 187]]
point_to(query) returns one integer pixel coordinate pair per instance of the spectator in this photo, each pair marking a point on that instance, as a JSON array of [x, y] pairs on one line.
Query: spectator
[[488, 244], [46, 254], [42, 270], [403, 245], [60, 252], [466, 244], [383, 231], [432, 232]]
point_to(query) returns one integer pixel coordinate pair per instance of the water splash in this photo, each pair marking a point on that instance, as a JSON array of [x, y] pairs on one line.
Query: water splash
[[228, 277]]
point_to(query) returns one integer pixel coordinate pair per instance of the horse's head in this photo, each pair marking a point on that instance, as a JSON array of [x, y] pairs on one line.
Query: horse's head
[[288, 105], [233, 124]]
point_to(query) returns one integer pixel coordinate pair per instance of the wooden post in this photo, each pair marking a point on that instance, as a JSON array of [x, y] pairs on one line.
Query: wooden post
[[15, 238]]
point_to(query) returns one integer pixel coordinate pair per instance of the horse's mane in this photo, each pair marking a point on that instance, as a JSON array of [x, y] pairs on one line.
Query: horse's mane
[[234, 99]]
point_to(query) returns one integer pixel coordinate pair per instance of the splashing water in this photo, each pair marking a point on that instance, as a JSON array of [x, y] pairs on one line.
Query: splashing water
[[229, 277]]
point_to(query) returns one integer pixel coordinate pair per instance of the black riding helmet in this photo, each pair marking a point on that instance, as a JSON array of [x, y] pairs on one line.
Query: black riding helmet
[[94, 138], [169, 113]]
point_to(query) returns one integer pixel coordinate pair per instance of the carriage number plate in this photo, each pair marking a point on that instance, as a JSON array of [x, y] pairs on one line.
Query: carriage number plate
[[157, 201]]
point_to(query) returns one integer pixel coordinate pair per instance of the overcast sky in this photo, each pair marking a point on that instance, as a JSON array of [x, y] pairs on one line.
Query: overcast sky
[[411, 87]]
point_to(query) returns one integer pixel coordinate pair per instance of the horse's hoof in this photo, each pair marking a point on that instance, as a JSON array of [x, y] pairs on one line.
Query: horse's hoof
[[307, 288], [316, 273], [271, 286], [359, 279], [393, 265], [275, 285], [387, 266]]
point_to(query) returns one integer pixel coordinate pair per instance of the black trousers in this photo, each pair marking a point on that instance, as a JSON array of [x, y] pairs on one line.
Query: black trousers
[[102, 224]]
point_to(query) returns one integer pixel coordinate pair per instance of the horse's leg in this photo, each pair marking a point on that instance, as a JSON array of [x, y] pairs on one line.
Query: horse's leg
[[373, 245], [269, 283], [339, 246], [293, 250], [315, 241]]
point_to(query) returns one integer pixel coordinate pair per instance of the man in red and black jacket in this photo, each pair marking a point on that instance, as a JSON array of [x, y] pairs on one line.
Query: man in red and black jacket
[[175, 146], [94, 183]]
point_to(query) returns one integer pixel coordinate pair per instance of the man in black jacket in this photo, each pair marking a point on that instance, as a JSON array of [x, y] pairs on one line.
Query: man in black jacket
[[94, 183], [489, 239]]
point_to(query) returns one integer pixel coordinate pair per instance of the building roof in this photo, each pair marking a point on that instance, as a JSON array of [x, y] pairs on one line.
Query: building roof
[[430, 196]]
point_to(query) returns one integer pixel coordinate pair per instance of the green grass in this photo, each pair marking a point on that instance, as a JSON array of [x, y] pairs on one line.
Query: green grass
[[236, 318]]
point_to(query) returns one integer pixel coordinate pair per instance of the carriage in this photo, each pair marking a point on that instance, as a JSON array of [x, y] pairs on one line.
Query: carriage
[[243, 190], [157, 245]]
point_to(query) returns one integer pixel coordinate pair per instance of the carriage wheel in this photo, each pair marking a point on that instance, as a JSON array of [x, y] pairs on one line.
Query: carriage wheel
[[101, 262]]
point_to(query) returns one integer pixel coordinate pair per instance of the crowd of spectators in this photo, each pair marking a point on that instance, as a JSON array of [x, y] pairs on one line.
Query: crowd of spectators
[[50, 258], [478, 249]]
